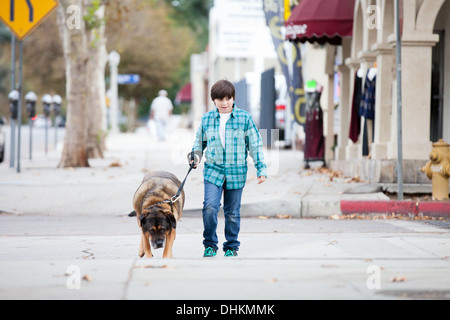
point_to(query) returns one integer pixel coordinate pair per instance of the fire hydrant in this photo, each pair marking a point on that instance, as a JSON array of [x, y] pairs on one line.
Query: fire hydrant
[[438, 169]]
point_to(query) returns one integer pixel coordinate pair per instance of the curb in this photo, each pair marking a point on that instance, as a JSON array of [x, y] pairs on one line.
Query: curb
[[427, 208]]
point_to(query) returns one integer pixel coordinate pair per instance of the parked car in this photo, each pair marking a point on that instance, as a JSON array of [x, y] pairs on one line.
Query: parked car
[[2, 140]]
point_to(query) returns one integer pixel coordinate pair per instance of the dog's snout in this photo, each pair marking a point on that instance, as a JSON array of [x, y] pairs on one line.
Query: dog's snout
[[159, 243]]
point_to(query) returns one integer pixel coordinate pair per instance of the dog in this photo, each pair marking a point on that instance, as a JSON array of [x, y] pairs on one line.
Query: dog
[[156, 214]]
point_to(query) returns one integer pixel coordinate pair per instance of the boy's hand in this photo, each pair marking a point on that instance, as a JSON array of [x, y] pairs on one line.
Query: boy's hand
[[196, 159], [195, 167], [261, 179]]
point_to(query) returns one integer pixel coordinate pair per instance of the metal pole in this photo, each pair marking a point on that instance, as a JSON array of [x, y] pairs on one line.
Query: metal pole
[[13, 87], [56, 132], [46, 135], [114, 60], [19, 105], [399, 103], [30, 122]]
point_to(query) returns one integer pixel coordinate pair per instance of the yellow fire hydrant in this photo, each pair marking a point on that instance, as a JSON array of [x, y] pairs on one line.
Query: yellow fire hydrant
[[438, 169]]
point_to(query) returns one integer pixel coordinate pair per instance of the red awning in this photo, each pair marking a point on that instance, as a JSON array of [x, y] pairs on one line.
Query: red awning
[[322, 21], [184, 95]]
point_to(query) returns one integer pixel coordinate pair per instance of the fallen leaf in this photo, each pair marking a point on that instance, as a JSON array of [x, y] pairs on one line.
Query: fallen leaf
[[149, 266], [398, 279], [87, 278], [283, 216], [115, 164]]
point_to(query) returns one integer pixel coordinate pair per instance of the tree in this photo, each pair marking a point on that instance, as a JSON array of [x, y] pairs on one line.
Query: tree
[[150, 44], [80, 23], [195, 14]]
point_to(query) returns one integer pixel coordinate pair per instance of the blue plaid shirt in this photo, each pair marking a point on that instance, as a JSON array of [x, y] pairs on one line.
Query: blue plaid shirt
[[230, 163]]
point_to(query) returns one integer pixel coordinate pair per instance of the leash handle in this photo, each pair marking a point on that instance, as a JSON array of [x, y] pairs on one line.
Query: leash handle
[[192, 164]]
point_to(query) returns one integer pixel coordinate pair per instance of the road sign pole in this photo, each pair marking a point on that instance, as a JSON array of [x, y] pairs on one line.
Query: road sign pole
[[19, 106], [13, 87]]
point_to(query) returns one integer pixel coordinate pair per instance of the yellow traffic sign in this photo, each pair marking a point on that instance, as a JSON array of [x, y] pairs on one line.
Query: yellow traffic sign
[[23, 16]]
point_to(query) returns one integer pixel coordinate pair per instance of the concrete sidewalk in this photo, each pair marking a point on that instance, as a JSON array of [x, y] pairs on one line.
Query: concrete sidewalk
[[108, 186], [95, 257], [67, 235]]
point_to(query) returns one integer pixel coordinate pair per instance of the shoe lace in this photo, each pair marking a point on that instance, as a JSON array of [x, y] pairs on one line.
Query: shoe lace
[[209, 251]]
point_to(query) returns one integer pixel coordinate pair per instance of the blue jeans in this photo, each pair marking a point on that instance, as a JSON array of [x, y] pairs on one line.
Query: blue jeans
[[232, 212]]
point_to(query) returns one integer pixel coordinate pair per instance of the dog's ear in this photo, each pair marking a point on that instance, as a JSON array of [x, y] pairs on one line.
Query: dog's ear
[[142, 219], [172, 221]]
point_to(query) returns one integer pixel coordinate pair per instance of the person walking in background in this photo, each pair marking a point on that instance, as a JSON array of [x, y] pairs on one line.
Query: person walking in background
[[160, 111], [228, 134]]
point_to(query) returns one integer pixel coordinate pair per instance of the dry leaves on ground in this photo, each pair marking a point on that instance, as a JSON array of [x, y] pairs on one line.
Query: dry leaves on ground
[[382, 216]]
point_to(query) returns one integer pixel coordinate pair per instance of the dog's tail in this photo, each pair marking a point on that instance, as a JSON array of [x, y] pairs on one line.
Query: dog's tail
[[132, 214]]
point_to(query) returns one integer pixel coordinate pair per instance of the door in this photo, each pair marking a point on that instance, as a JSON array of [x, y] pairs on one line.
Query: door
[[437, 89]]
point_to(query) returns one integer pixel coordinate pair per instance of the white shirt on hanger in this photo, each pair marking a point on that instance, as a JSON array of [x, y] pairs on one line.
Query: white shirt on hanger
[[372, 73]]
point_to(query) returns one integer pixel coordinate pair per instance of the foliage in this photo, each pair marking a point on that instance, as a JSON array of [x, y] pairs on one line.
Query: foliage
[[195, 14], [154, 37], [153, 46], [90, 18]]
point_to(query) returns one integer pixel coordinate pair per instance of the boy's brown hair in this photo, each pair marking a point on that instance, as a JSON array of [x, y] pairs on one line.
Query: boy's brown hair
[[222, 89]]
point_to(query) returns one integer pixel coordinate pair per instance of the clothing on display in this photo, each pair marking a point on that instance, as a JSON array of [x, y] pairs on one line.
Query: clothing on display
[[367, 108], [314, 139], [355, 121]]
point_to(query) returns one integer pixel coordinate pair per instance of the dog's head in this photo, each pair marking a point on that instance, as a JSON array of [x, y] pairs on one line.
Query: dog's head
[[157, 223]]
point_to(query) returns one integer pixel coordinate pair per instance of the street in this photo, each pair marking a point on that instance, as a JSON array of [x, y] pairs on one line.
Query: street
[[95, 257], [65, 234], [328, 141]]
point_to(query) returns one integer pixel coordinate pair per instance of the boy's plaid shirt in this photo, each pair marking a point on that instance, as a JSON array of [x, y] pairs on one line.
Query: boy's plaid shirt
[[229, 164]]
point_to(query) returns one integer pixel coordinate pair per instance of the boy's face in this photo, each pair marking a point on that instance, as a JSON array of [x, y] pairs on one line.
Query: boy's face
[[224, 105]]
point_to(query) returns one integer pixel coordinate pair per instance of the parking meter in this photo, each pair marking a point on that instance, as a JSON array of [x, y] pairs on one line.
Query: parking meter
[[57, 101], [13, 103], [47, 102], [30, 99]]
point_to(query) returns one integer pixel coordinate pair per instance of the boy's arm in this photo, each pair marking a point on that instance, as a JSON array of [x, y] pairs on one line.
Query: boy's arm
[[199, 145], [254, 144]]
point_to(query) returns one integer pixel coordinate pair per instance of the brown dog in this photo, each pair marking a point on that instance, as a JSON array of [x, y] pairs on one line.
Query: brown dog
[[156, 215]]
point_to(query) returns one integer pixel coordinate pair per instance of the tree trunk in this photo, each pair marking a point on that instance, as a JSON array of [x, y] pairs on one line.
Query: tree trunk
[[96, 120], [75, 46], [85, 56]]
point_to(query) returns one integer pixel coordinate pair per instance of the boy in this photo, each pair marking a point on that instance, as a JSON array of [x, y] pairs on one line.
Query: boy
[[228, 134]]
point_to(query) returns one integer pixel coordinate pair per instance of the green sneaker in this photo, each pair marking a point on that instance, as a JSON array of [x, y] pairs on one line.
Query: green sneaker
[[231, 253], [209, 252]]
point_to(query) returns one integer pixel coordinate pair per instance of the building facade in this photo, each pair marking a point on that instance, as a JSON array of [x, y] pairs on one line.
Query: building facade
[[425, 75]]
